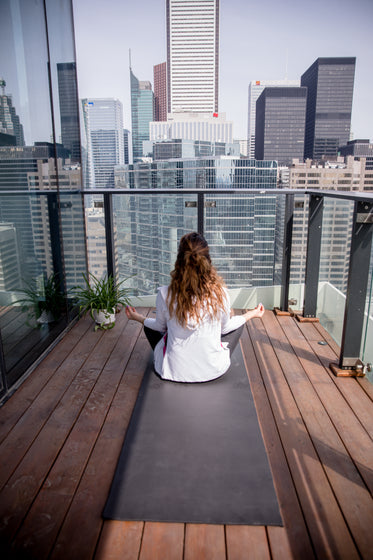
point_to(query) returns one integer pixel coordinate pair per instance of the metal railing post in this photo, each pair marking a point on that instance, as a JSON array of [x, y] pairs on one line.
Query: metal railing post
[[316, 205], [200, 212], [361, 244], [109, 234], [55, 233], [286, 254]]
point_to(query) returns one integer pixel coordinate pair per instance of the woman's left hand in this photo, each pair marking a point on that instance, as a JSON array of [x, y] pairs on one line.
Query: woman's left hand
[[257, 312]]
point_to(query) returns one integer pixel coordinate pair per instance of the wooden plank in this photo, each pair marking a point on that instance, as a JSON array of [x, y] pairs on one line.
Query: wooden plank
[[344, 478], [350, 430], [291, 512], [247, 542], [16, 444], [15, 407], [327, 528], [367, 386], [120, 540], [353, 393], [205, 542], [162, 540], [53, 499], [31, 473], [280, 544], [363, 382], [85, 512], [328, 338]]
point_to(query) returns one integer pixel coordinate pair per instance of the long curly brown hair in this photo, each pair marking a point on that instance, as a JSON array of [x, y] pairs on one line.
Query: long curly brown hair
[[196, 289]]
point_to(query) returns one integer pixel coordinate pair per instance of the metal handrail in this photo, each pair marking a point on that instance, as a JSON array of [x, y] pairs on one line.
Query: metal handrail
[[361, 243]]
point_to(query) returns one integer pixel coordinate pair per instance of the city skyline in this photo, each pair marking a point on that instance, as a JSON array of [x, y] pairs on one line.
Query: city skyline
[[285, 47]]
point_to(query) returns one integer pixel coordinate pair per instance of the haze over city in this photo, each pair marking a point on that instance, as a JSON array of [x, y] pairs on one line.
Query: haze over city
[[258, 41]]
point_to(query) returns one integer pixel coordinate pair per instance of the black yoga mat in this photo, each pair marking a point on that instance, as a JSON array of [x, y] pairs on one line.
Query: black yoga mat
[[194, 453]]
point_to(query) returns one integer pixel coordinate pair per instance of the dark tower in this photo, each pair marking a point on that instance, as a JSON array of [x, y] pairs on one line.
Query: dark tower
[[69, 109], [280, 124], [330, 83]]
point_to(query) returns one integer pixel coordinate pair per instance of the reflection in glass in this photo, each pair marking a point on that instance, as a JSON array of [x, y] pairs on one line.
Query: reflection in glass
[[41, 227]]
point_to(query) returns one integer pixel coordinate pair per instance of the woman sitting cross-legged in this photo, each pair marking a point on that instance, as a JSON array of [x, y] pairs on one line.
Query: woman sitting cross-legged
[[193, 334]]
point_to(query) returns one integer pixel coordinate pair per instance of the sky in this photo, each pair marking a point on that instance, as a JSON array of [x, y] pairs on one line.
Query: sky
[[259, 40]]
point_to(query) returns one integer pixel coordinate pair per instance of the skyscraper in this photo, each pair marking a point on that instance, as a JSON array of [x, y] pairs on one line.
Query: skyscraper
[[69, 108], [330, 83], [192, 55], [255, 89], [160, 92], [103, 127], [9, 120], [142, 113], [280, 123], [126, 145]]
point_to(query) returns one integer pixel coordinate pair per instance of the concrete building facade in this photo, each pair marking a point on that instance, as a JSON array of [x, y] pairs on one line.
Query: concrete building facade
[[192, 55]]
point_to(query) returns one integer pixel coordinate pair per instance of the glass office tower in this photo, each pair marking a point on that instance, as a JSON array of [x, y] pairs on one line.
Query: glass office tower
[[280, 122], [103, 124], [69, 108], [142, 113], [330, 84], [255, 89], [240, 229]]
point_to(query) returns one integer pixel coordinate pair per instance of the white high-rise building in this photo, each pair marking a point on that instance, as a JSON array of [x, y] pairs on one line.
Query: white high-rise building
[[255, 89], [192, 126], [193, 55], [103, 140]]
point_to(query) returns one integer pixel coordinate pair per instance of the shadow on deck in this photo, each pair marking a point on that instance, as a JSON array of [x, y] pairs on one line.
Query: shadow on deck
[[62, 431]]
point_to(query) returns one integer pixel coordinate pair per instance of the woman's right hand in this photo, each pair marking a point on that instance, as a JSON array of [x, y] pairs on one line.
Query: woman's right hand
[[134, 315]]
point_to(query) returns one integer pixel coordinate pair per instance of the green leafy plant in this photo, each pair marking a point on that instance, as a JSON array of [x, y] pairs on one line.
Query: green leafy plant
[[44, 296], [103, 295]]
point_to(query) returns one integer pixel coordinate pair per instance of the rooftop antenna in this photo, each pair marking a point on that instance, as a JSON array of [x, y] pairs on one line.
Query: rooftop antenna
[[129, 52]]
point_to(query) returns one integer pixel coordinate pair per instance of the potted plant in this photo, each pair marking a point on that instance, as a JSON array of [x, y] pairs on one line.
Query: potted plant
[[101, 299], [43, 300]]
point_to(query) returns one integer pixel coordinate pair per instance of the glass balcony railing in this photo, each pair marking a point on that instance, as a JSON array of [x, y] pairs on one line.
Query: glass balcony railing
[[309, 252], [42, 256]]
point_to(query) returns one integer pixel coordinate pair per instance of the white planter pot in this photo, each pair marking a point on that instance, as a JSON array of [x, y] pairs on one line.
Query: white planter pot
[[45, 317], [102, 317]]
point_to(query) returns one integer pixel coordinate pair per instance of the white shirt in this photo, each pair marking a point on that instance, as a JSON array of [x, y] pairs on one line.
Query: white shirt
[[193, 353]]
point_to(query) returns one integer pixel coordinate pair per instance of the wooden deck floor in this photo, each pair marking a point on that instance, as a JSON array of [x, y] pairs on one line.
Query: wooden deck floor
[[62, 431]]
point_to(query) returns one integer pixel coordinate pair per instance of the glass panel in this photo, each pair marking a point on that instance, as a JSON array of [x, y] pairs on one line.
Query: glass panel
[[298, 252], [334, 264], [367, 342], [38, 114], [32, 309], [73, 237], [148, 230], [245, 237], [96, 239]]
